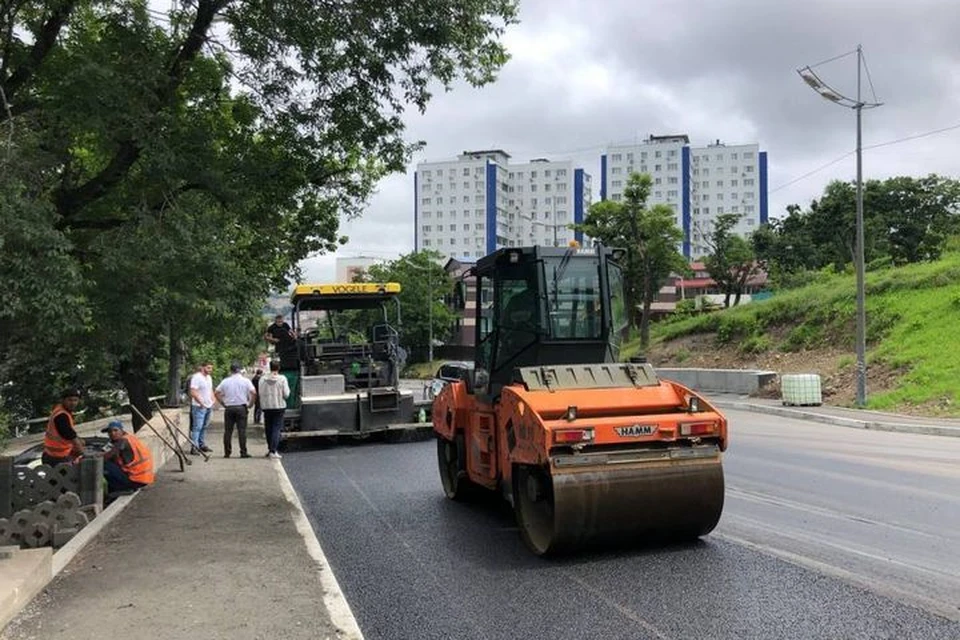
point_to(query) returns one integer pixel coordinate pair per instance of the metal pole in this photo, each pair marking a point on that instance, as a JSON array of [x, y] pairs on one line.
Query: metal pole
[[859, 258]]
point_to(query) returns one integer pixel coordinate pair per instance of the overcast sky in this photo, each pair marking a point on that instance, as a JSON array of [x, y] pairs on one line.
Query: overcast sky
[[586, 73]]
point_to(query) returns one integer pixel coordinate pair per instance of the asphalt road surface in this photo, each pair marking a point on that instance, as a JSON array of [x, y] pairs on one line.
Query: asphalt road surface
[[827, 532]]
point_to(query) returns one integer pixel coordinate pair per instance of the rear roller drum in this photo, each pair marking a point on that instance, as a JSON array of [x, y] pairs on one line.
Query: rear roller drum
[[451, 461], [533, 506]]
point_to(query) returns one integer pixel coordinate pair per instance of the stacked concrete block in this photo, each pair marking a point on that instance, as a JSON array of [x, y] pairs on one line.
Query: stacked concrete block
[[48, 523]]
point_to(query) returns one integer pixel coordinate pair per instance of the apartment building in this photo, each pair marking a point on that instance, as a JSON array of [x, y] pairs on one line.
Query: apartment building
[[697, 183], [479, 202]]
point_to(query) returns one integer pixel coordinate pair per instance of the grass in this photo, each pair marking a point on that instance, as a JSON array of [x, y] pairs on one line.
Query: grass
[[912, 315]]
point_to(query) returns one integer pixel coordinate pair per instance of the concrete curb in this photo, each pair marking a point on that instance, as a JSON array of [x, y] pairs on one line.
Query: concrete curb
[[853, 423]]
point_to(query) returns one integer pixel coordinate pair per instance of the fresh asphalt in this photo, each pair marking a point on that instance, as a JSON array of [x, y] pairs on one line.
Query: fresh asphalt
[[826, 533]]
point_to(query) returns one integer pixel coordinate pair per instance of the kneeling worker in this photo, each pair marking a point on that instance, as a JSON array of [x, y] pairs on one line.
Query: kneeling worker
[[128, 465]]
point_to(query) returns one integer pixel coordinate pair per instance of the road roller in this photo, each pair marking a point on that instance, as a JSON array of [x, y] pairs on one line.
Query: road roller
[[587, 449]]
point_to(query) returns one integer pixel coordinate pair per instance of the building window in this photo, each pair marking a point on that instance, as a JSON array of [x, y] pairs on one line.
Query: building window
[[734, 196], [672, 180], [657, 154], [658, 181], [734, 209], [748, 196], [706, 184], [426, 228], [706, 211], [466, 227], [466, 171], [616, 157], [719, 210], [546, 173], [617, 184], [705, 197], [719, 196], [616, 197], [748, 182], [426, 243], [672, 153], [658, 167], [748, 208], [733, 156], [643, 168], [453, 241], [749, 222], [672, 194], [719, 183], [672, 166], [439, 200], [561, 173], [733, 183], [706, 172], [658, 195]]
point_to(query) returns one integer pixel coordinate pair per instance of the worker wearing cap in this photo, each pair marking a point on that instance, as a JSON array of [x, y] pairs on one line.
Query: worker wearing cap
[[128, 465], [60, 441]]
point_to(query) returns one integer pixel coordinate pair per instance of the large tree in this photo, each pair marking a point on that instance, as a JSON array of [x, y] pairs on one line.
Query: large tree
[[425, 287], [651, 239], [176, 166], [732, 261]]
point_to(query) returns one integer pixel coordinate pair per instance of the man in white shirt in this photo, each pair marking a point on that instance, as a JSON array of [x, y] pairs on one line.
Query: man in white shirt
[[201, 405], [236, 394]]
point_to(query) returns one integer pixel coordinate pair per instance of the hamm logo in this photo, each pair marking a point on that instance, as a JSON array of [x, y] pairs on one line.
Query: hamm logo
[[635, 431]]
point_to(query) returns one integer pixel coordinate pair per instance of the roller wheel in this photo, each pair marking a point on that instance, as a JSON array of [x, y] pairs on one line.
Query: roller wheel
[[452, 463], [533, 506]]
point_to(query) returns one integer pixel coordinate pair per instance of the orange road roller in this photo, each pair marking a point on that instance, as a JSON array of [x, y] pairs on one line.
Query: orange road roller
[[588, 450]]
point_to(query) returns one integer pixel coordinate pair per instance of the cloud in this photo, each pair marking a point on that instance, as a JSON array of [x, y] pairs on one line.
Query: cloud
[[585, 74]]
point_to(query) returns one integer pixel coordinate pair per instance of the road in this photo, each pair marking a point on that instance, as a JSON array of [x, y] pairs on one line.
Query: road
[[827, 532]]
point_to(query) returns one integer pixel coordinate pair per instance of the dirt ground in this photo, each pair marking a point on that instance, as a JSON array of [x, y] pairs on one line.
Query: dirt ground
[[836, 367]]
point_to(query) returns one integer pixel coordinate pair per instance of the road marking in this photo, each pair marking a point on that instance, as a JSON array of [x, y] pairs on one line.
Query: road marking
[[767, 498], [868, 583], [625, 611], [333, 599]]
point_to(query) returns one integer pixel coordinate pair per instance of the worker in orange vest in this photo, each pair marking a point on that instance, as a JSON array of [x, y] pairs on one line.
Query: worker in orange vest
[[60, 441], [128, 465]]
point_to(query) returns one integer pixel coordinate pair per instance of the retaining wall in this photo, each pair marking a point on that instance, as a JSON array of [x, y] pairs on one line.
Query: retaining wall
[[741, 381]]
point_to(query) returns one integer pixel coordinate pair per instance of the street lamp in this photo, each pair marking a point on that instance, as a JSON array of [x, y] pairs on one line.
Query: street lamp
[[858, 105]]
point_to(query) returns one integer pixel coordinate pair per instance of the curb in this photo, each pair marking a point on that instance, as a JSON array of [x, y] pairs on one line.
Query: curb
[[853, 423]]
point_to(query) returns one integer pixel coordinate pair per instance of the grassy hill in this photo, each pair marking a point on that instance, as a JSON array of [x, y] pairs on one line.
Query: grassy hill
[[913, 337]]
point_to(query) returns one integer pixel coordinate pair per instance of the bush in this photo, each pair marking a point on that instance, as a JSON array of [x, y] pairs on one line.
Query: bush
[[732, 327], [802, 337], [755, 344]]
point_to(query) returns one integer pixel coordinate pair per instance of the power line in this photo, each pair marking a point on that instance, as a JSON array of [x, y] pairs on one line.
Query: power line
[[888, 143], [913, 137]]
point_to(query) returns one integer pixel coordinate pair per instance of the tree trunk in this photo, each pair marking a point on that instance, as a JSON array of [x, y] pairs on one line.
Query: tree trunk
[[645, 317], [726, 299], [133, 374], [174, 366]]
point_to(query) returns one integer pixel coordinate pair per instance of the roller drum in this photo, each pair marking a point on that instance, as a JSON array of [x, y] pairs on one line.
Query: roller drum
[[614, 505]]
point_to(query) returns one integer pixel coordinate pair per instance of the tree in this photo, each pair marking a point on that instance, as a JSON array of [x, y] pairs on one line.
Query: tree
[[424, 287], [732, 261], [650, 237], [189, 167]]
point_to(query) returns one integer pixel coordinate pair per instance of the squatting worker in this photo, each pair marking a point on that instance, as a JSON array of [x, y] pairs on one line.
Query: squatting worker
[[60, 441], [127, 466], [236, 394]]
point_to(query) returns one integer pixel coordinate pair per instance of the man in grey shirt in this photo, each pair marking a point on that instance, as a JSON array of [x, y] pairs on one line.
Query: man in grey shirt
[[236, 394]]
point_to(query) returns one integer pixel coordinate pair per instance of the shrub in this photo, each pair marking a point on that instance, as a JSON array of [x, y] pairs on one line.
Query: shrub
[[802, 337], [755, 344], [732, 327]]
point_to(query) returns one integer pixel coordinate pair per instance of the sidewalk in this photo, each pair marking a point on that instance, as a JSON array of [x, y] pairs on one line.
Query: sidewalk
[[218, 551], [842, 416]]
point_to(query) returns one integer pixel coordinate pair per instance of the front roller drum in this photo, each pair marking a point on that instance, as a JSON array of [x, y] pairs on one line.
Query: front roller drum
[[617, 507]]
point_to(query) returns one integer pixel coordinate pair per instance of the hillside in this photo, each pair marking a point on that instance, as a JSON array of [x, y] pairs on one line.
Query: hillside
[[913, 350]]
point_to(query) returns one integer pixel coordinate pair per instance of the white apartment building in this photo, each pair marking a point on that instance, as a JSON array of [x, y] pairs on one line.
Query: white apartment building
[[479, 202], [698, 183]]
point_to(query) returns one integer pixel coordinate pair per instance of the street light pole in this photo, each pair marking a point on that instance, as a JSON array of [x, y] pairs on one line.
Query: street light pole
[[858, 105], [861, 276]]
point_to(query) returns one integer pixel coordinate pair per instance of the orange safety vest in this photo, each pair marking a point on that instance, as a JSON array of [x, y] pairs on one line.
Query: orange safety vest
[[54, 445], [140, 468]]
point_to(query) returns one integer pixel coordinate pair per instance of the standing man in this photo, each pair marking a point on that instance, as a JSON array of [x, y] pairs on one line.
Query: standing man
[[236, 394], [273, 393], [201, 406], [128, 465], [60, 441], [257, 409], [280, 335]]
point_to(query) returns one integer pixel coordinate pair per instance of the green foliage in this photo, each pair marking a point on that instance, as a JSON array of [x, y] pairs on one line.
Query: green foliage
[[912, 312], [733, 327], [650, 237], [801, 337], [171, 174], [423, 283], [906, 220], [732, 261], [755, 344]]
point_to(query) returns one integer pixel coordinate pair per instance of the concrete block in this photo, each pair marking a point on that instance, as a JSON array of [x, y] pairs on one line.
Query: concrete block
[[740, 381], [62, 536], [21, 578]]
